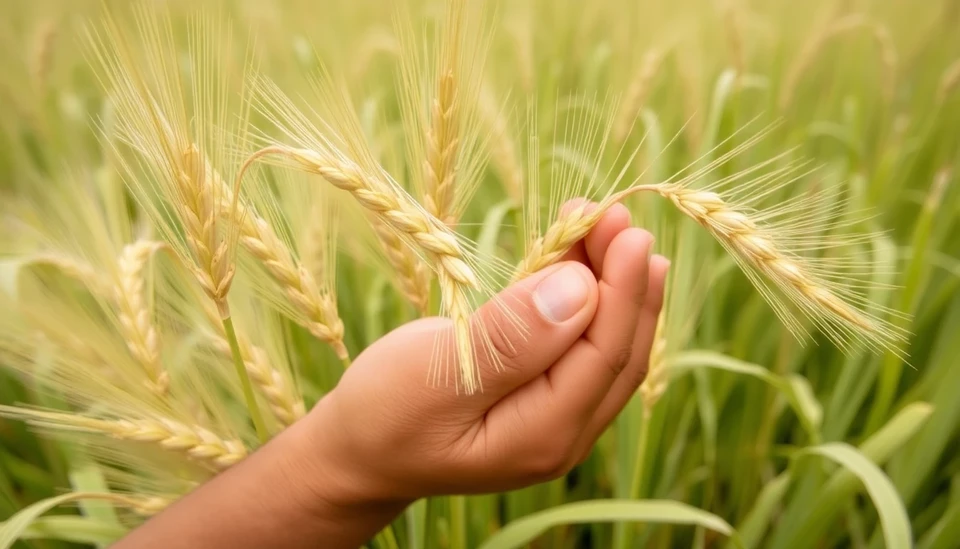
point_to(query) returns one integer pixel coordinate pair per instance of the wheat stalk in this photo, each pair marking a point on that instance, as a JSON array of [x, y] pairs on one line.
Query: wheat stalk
[[199, 443], [135, 316], [322, 319], [284, 402], [400, 213], [754, 248]]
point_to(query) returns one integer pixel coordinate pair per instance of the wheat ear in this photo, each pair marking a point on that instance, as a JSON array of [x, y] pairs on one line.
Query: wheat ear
[[401, 214], [754, 248], [657, 378], [199, 443], [134, 315], [412, 275], [213, 269], [285, 404], [442, 147], [257, 236]]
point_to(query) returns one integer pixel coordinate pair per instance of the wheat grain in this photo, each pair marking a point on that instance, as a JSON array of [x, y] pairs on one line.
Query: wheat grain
[[134, 314], [655, 383], [411, 273], [755, 249], [401, 214], [199, 443], [442, 147], [321, 317], [213, 269]]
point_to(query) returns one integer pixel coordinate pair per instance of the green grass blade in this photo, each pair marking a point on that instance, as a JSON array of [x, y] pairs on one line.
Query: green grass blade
[[524, 530], [73, 529], [893, 515]]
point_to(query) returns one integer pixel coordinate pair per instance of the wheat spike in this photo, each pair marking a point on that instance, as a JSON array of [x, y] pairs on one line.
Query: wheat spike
[[655, 383], [412, 274], [401, 214], [147, 506], [757, 251], [135, 316], [322, 319], [285, 403], [442, 143], [199, 443], [213, 269]]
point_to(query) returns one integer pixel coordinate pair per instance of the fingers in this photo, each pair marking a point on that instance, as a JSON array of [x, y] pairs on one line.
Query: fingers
[[582, 377], [593, 248], [614, 221], [635, 372], [527, 327]]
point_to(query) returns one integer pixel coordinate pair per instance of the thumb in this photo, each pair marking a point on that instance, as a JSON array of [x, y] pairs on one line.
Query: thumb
[[527, 327]]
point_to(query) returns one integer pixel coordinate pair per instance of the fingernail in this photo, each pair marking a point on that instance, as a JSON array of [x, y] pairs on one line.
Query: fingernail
[[559, 296]]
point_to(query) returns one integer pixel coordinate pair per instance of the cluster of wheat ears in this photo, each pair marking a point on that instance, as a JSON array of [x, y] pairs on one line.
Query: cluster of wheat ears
[[207, 166]]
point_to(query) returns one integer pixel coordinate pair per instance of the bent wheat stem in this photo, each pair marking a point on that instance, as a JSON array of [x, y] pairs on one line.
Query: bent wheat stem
[[757, 251], [401, 214], [257, 236]]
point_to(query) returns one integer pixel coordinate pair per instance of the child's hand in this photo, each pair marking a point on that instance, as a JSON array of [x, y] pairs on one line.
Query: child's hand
[[383, 437], [590, 323]]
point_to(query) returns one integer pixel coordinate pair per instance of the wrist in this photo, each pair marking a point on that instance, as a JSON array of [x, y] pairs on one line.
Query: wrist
[[330, 484]]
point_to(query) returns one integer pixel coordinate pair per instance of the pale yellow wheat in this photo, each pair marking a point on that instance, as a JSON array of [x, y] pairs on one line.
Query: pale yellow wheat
[[319, 308], [411, 273], [442, 147], [404, 216], [756, 249], [200, 444], [213, 267], [655, 384], [136, 324]]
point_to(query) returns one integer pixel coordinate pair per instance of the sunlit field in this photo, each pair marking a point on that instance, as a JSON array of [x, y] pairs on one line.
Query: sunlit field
[[209, 209]]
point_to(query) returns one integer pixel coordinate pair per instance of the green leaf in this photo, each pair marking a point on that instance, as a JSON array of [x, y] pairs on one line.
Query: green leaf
[[18, 525], [893, 515], [73, 529], [795, 389], [522, 531]]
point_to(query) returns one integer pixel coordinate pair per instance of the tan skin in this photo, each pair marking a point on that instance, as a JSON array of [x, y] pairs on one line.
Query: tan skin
[[382, 438]]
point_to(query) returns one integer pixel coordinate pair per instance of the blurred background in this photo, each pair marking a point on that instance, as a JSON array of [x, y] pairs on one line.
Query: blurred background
[[741, 418]]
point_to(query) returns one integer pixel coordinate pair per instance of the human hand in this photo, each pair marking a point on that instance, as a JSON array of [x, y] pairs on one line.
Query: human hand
[[382, 438], [590, 323]]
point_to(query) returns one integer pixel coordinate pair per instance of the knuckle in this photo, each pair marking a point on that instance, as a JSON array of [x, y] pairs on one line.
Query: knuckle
[[618, 358], [555, 459]]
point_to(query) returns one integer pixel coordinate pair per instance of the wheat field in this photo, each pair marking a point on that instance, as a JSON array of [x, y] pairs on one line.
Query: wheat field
[[208, 209]]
